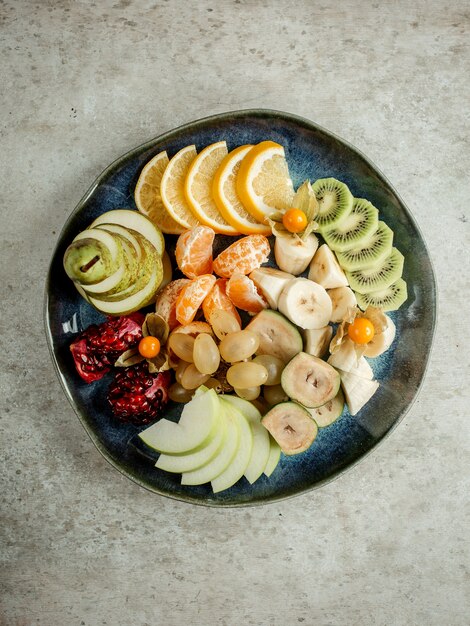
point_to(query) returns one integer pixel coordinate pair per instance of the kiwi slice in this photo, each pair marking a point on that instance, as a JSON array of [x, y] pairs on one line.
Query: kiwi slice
[[371, 253], [354, 228], [379, 277], [389, 299], [335, 201]]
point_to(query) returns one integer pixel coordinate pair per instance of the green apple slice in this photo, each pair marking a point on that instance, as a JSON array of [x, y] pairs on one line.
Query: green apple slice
[[222, 459], [178, 464], [198, 423], [273, 459], [237, 467], [135, 221], [261, 446], [135, 301]]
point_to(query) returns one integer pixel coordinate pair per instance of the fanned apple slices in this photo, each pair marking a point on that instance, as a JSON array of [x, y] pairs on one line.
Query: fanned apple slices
[[217, 441]]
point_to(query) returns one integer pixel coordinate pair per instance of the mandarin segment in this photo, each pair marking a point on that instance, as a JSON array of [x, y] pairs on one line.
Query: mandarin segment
[[192, 296], [243, 256], [194, 251], [244, 294], [217, 299], [166, 301]]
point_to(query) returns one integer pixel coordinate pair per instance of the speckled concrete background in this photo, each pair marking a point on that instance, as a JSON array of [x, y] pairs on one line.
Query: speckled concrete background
[[83, 82]]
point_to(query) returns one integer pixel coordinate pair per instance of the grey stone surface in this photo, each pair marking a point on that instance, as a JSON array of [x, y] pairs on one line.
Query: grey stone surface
[[83, 82]]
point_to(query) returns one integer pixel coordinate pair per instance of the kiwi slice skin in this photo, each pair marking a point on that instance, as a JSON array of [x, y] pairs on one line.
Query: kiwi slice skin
[[389, 299], [379, 277], [334, 199], [372, 253], [354, 228]]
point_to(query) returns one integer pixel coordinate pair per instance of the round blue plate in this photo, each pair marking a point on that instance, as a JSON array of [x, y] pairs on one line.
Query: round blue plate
[[312, 152]]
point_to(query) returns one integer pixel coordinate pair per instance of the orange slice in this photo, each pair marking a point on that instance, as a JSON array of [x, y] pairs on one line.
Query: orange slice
[[148, 198], [243, 256], [263, 182], [198, 188], [192, 296], [244, 294], [172, 187], [226, 197], [217, 299], [166, 301]]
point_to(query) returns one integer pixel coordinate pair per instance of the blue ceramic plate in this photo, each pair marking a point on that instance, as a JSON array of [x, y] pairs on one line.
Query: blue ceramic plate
[[312, 152]]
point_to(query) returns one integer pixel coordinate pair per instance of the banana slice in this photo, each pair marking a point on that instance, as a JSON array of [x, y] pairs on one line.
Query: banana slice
[[382, 342], [270, 282], [317, 340], [292, 254], [305, 303], [345, 359], [342, 299], [291, 426], [358, 391], [325, 269]]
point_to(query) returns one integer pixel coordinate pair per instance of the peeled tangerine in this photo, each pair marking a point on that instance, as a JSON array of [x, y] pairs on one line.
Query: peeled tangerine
[[218, 300], [167, 298], [193, 251], [192, 296], [244, 294], [243, 256]]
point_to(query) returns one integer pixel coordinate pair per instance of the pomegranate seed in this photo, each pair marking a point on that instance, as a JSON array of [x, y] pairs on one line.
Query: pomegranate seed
[[137, 396]]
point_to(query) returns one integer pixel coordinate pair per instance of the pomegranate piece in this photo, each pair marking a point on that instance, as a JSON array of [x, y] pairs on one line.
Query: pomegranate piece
[[137, 396], [96, 349]]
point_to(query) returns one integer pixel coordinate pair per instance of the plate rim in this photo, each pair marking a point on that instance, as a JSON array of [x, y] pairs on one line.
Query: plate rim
[[236, 114]]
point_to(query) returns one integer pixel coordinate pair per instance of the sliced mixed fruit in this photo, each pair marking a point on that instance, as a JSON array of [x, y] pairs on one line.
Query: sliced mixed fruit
[[231, 192], [218, 440], [261, 357], [117, 262]]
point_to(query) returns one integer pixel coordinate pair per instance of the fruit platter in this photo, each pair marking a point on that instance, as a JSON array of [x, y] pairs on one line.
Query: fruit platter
[[240, 309]]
